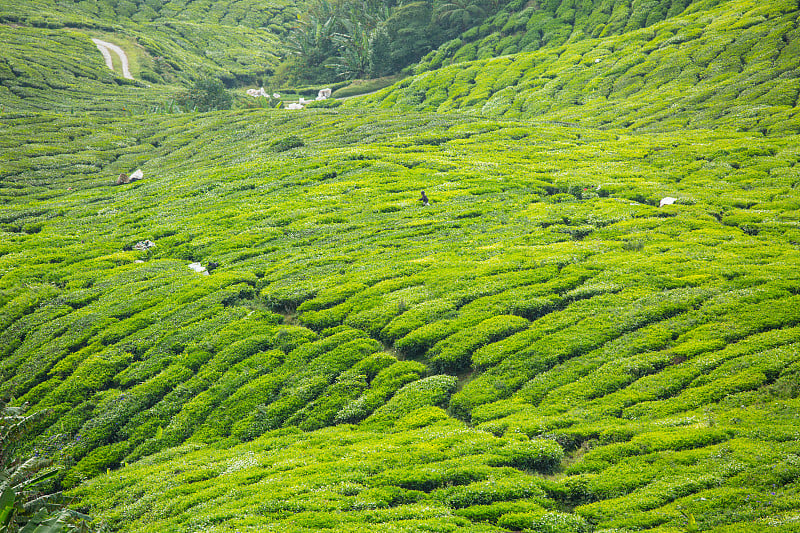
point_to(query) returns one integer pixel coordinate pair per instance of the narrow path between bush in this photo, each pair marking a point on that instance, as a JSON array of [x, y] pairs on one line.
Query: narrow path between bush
[[106, 48]]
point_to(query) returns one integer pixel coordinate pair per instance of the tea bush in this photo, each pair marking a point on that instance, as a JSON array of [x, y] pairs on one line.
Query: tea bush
[[550, 522], [601, 76], [433, 390]]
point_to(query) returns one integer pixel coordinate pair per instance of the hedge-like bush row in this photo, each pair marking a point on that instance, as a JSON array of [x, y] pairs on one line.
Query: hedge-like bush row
[[609, 78]]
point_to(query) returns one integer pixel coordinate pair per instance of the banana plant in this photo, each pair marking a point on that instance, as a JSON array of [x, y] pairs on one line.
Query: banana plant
[[26, 506]]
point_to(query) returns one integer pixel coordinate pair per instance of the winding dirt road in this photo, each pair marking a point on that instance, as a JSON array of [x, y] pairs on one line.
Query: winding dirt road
[[106, 48]]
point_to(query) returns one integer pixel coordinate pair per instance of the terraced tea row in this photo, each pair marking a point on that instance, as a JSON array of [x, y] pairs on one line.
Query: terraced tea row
[[50, 65], [731, 66]]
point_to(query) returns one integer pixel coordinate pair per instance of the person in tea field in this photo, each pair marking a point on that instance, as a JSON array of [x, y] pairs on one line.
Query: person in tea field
[[424, 199]]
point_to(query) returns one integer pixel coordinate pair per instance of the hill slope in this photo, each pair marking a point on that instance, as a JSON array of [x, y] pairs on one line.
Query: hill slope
[[50, 47], [731, 65], [657, 347], [545, 347], [528, 26]]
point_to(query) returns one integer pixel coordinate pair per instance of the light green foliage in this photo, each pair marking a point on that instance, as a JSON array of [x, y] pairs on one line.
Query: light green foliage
[[568, 343], [665, 75], [62, 71], [434, 391], [546, 522], [296, 483], [541, 348], [167, 42]]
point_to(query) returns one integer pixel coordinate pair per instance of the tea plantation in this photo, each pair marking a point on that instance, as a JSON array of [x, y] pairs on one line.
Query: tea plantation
[[733, 67], [545, 347], [48, 50]]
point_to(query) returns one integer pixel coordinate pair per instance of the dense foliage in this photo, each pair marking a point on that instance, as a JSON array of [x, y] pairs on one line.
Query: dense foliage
[[373, 38], [26, 503], [207, 94], [270, 331], [737, 69], [169, 42], [520, 26], [655, 346]]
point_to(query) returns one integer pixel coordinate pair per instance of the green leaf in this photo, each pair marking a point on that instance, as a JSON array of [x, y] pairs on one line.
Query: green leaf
[[44, 523], [43, 477], [6, 505]]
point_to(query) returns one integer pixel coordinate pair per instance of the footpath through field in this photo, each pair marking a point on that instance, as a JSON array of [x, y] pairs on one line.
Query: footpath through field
[[106, 48]]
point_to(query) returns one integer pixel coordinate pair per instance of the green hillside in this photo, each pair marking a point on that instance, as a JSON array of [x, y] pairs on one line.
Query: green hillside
[[527, 26], [733, 65], [168, 43], [657, 347], [544, 348]]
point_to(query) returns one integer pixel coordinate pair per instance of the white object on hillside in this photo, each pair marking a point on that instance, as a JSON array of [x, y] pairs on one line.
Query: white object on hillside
[[200, 269], [276, 95], [257, 92], [597, 60], [106, 48], [303, 101], [137, 175], [294, 105], [667, 200], [323, 94], [144, 245]]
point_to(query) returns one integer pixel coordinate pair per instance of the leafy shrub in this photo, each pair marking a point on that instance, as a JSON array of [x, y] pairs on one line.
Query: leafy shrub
[[98, 460], [573, 490], [331, 103], [433, 390], [385, 383], [490, 491], [453, 354], [424, 479], [545, 522], [493, 511], [542, 455], [424, 416], [207, 94], [417, 342], [418, 315], [287, 143]]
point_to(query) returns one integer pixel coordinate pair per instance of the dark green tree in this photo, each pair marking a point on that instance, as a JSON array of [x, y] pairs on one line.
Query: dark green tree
[[411, 32], [312, 42], [207, 94]]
